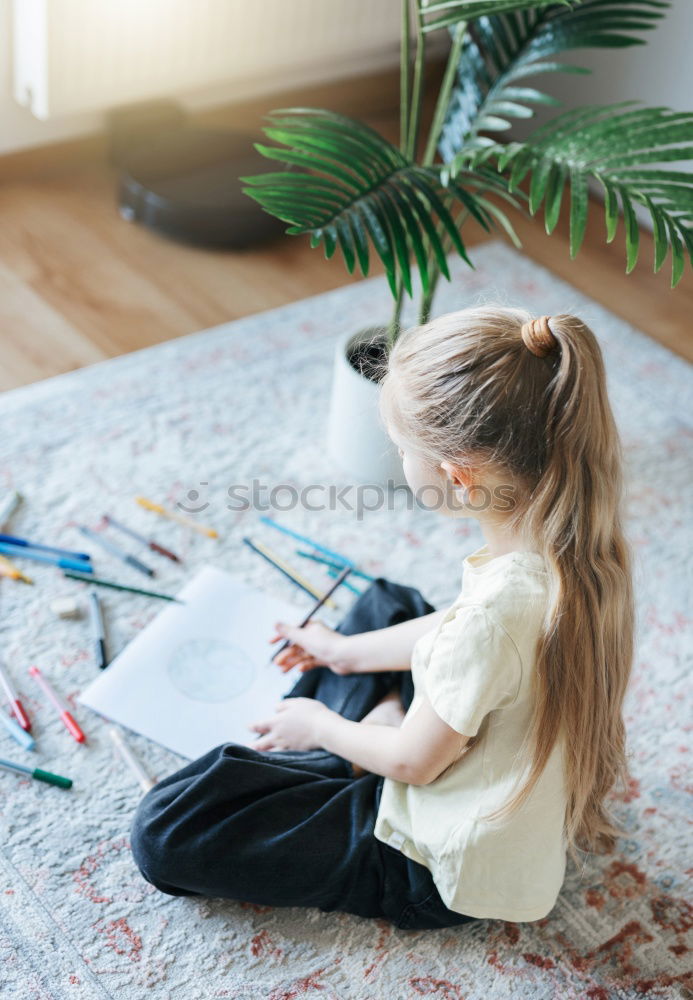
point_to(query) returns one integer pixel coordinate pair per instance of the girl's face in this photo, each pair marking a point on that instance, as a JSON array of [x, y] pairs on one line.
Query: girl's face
[[440, 488], [428, 482]]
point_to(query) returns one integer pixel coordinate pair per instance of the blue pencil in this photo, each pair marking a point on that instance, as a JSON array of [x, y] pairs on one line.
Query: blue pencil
[[309, 541], [345, 583], [26, 544], [333, 564], [20, 552]]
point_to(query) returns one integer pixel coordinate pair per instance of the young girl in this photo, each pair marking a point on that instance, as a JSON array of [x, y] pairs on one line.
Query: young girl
[[434, 767]]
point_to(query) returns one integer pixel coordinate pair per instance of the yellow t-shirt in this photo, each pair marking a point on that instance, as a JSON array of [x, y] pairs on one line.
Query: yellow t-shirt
[[476, 670]]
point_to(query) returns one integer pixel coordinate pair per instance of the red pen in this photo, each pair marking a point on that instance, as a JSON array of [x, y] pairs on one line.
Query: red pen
[[15, 704], [68, 721]]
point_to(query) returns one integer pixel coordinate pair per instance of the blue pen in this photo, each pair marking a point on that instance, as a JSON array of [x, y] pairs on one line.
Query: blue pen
[[15, 730], [105, 543], [303, 538], [26, 544], [26, 553]]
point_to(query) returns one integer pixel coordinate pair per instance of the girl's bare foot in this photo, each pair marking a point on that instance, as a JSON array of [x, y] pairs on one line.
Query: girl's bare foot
[[388, 712]]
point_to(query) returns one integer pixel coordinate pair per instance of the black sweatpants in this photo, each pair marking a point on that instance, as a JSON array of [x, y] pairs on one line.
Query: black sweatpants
[[293, 828]]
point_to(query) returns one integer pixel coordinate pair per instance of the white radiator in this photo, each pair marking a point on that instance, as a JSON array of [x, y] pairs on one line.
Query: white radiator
[[74, 56]]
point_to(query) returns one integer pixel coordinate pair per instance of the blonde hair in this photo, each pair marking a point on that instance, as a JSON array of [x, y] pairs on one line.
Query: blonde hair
[[468, 387]]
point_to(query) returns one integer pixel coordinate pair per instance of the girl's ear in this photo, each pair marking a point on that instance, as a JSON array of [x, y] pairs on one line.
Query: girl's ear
[[459, 475]]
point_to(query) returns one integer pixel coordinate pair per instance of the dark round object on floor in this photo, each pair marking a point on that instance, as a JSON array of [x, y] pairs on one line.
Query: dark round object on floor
[[185, 184]]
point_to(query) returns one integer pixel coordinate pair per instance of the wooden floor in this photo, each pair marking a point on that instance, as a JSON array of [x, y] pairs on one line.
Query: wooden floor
[[78, 284]]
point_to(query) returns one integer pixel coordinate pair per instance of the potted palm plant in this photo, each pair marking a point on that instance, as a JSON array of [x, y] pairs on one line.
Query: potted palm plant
[[352, 190]]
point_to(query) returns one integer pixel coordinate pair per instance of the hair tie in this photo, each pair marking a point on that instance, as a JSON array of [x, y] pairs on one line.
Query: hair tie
[[538, 337]]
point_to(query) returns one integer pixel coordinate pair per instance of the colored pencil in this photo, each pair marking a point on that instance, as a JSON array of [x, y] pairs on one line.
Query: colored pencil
[[309, 541], [149, 542], [110, 546], [38, 774], [175, 516], [100, 582], [323, 600], [284, 568], [345, 583], [334, 564]]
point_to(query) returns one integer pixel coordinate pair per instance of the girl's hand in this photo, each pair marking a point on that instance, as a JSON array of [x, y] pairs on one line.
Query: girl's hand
[[314, 645], [294, 727]]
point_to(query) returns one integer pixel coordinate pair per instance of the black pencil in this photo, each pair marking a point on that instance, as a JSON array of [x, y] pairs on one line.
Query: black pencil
[[340, 579], [283, 567]]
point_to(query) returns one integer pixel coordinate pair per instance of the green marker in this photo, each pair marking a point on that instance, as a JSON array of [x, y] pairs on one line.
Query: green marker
[[36, 772], [118, 586]]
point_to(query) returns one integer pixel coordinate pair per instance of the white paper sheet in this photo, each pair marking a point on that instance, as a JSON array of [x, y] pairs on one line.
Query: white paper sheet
[[200, 672]]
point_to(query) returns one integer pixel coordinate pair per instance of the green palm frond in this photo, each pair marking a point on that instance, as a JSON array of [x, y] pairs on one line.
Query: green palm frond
[[482, 181], [623, 147], [501, 50], [353, 188], [446, 13]]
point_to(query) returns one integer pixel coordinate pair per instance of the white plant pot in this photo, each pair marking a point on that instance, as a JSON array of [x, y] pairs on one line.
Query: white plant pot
[[357, 441]]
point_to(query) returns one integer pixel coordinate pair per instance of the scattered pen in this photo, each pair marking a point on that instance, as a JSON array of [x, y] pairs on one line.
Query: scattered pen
[[16, 732], [24, 543], [110, 546], [8, 569], [149, 542], [62, 709], [100, 582], [16, 705], [8, 508], [129, 758], [22, 552], [340, 579], [97, 626], [37, 773], [175, 516]]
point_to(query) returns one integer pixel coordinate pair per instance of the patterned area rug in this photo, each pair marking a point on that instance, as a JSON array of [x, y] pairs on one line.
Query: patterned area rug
[[188, 421]]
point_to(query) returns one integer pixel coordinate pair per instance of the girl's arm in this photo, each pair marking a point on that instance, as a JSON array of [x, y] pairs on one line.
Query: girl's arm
[[381, 649], [416, 752], [390, 648]]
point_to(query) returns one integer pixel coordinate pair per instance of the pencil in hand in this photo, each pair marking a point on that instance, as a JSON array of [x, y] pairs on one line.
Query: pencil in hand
[[340, 579]]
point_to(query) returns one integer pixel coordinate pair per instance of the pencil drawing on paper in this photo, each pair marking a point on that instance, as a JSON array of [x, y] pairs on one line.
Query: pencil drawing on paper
[[211, 670]]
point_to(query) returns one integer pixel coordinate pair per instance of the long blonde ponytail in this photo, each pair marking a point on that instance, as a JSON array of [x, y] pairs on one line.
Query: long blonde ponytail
[[466, 385]]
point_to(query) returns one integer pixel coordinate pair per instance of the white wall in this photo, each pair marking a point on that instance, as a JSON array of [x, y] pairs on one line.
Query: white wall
[[203, 52], [660, 72], [18, 127]]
